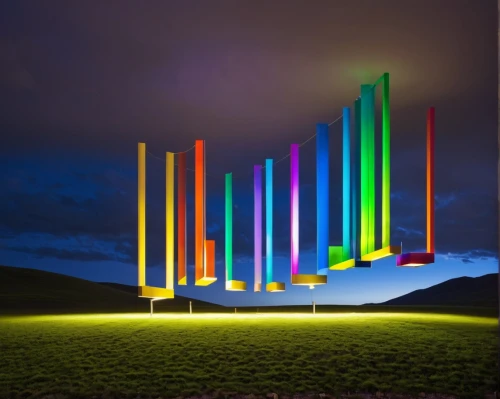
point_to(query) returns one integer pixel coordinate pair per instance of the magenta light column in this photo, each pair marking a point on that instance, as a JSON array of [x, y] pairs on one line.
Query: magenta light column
[[257, 209], [294, 207]]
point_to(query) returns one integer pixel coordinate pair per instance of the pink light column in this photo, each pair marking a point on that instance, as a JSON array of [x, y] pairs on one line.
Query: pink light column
[[294, 207]]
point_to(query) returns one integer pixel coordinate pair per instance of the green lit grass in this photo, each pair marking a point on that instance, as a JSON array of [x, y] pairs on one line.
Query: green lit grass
[[172, 355]]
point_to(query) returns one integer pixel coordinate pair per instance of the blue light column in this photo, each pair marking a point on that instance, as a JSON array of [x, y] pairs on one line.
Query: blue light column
[[322, 194], [269, 221]]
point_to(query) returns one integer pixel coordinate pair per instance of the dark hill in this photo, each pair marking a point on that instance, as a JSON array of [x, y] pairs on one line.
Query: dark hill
[[463, 291], [31, 291], [177, 301]]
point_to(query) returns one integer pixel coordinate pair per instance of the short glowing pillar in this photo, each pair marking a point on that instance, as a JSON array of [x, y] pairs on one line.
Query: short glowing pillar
[[141, 214], [181, 219], [257, 173], [322, 196], [169, 221]]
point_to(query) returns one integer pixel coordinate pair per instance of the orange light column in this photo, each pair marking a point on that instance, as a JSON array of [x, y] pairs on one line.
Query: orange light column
[[181, 219], [204, 256]]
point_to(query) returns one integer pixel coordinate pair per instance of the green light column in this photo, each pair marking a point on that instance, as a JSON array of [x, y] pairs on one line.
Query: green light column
[[386, 164], [355, 199], [367, 169], [229, 226]]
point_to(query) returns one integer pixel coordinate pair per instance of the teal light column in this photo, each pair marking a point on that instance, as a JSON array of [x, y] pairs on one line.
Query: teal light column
[[269, 221], [229, 227], [322, 196]]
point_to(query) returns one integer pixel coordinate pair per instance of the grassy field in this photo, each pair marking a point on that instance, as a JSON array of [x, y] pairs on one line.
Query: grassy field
[[180, 355]]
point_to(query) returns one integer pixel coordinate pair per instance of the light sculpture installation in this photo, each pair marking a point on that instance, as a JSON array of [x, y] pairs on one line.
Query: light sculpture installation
[[358, 248], [143, 289], [416, 259], [296, 278], [271, 286], [231, 285]]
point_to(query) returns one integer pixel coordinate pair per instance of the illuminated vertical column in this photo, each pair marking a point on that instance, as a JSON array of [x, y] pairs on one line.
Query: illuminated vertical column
[[181, 219], [141, 214], [430, 180], [294, 208], [209, 261], [346, 175], [257, 234], [386, 164], [322, 195], [367, 170], [199, 209], [229, 226], [269, 221], [169, 221], [356, 170]]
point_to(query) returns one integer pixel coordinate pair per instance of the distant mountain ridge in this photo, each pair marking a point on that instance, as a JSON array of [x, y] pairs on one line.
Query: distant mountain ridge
[[462, 291]]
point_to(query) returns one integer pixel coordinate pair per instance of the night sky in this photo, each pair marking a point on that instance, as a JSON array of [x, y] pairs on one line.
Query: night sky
[[82, 82]]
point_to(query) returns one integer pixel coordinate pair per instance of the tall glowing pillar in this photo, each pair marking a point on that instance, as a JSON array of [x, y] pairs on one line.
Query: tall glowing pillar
[[296, 278], [257, 195], [141, 214], [367, 170], [169, 222], [199, 210], [144, 290], [430, 180], [386, 163], [346, 189], [322, 195], [181, 219], [231, 284], [294, 208], [269, 221], [271, 286], [416, 259]]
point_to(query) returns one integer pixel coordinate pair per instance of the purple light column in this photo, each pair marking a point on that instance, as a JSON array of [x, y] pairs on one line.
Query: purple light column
[[294, 207], [257, 235]]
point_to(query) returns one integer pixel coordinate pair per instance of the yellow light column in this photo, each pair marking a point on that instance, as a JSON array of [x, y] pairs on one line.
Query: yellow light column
[[141, 214], [169, 221]]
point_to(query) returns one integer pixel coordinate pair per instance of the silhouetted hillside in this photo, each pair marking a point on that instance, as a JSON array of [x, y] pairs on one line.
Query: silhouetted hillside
[[35, 291], [177, 301], [463, 291]]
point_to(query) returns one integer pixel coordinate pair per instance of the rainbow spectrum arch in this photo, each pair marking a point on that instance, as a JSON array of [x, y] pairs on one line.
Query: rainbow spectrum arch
[[358, 248]]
